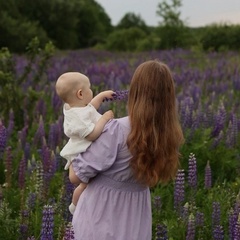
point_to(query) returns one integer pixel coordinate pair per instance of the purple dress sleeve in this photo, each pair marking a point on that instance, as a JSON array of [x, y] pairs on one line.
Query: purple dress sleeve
[[101, 154]]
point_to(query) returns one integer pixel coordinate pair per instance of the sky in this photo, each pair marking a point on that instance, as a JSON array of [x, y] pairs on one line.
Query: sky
[[195, 13]]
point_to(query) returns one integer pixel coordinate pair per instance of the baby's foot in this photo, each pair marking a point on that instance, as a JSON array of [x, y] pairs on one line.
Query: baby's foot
[[72, 208]]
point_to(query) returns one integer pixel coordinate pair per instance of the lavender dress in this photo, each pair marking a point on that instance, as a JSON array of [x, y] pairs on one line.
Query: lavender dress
[[113, 206]]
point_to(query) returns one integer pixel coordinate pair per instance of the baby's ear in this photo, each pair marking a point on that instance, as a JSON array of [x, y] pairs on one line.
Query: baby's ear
[[79, 94]]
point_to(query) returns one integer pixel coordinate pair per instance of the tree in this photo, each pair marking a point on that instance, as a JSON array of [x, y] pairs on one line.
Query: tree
[[170, 13], [131, 20], [172, 31], [94, 24]]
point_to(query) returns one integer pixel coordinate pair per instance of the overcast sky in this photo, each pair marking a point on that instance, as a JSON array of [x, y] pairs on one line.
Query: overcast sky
[[196, 13]]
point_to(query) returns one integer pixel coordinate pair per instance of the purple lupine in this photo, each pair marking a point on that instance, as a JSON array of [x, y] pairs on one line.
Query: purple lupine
[[118, 95], [22, 136], [199, 219], [31, 201], [23, 228], [47, 223], [216, 214], [192, 171], [191, 228], [40, 133], [21, 173], [53, 136], [3, 137], [179, 191], [161, 232], [218, 233], [10, 122], [208, 176], [31, 238], [157, 203], [39, 179], [217, 140], [185, 213], [187, 112], [8, 166], [236, 232], [232, 132], [69, 233], [220, 120], [231, 224]]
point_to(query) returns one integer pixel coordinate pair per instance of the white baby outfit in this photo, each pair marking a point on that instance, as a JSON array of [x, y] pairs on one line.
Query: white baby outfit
[[78, 123]]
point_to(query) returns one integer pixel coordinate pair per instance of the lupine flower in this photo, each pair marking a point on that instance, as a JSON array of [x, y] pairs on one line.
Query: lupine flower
[[161, 232], [218, 233], [179, 192], [10, 122], [40, 133], [118, 95], [31, 200], [218, 139], [47, 223], [208, 176], [3, 137], [237, 229], [31, 238], [185, 213], [69, 233], [191, 228], [199, 219], [21, 173], [157, 203], [220, 120], [216, 214], [8, 166], [232, 132], [231, 223], [39, 179], [23, 229], [192, 171]]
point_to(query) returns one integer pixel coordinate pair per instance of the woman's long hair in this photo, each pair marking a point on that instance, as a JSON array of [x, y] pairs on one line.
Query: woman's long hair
[[156, 135]]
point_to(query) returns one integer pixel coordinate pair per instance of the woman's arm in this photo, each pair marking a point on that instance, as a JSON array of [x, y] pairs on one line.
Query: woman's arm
[[99, 156], [73, 177]]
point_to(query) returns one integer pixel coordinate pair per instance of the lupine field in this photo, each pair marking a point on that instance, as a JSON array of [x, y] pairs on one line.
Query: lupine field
[[203, 202]]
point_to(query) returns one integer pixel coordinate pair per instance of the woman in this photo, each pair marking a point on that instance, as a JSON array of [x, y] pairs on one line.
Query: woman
[[132, 154]]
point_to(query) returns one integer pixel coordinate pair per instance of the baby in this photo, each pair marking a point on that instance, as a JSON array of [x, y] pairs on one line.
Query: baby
[[82, 122]]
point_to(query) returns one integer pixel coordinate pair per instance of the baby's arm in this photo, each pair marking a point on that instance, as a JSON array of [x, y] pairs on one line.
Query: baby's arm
[[100, 125], [98, 99]]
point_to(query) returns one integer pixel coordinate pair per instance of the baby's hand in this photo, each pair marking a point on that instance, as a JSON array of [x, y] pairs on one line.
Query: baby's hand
[[108, 115], [108, 94]]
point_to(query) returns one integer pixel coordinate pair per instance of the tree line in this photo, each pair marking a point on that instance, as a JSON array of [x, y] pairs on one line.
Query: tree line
[[79, 24]]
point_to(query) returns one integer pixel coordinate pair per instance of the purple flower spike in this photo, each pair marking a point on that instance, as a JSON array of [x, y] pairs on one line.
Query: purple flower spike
[[3, 137], [191, 228], [208, 176], [216, 214], [218, 233], [179, 192], [47, 223], [69, 233], [118, 95], [161, 232], [192, 171]]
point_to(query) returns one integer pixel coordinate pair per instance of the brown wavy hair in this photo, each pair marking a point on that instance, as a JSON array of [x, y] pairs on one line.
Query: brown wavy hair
[[156, 134]]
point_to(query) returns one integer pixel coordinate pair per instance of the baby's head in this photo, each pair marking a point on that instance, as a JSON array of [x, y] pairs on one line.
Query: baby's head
[[74, 87]]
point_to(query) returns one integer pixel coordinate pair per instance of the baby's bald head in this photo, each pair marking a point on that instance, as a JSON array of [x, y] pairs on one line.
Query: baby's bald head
[[68, 84]]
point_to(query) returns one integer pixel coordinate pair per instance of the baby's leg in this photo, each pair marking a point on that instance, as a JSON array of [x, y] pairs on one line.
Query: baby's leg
[[76, 194]]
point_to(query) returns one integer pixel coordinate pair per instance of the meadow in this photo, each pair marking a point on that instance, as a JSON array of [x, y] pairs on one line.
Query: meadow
[[203, 202]]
